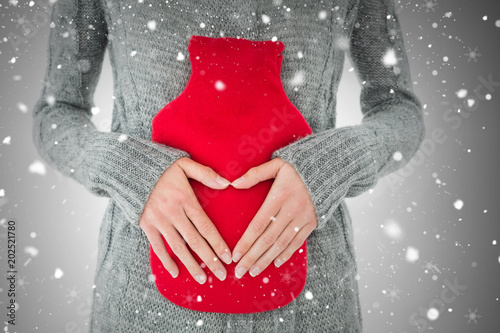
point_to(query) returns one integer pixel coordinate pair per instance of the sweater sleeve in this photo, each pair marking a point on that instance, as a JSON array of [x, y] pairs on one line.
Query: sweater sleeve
[[345, 162], [108, 164]]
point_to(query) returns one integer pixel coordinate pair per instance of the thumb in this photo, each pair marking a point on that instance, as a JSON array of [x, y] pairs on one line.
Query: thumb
[[260, 173], [202, 173]]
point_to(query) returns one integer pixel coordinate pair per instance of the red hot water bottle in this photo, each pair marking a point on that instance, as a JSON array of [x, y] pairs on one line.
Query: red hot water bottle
[[231, 116]]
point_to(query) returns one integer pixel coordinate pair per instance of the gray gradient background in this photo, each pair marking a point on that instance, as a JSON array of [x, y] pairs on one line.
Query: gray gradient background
[[61, 219]]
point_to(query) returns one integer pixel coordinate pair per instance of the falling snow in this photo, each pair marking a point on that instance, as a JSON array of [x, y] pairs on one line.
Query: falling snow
[[472, 54], [343, 43], [219, 85], [390, 58], [472, 316], [189, 298], [22, 282], [286, 277], [31, 250], [37, 167], [458, 204], [393, 230], [322, 15], [444, 61], [392, 293], [430, 267], [412, 254], [432, 314], [72, 294], [22, 107], [58, 273], [430, 5], [462, 93], [397, 156], [298, 79], [152, 25], [51, 100]]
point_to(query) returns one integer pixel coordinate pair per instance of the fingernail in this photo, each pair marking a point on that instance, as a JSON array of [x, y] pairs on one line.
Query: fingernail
[[278, 263], [240, 272], [237, 256], [226, 258], [254, 271], [238, 181], [173, 273], [201, 278], [222, 181], [220, 275]]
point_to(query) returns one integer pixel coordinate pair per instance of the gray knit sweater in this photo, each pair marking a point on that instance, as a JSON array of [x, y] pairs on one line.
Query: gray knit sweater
[[147, 42]]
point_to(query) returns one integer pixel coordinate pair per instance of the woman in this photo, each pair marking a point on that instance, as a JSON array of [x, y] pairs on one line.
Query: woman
[[147, 42]]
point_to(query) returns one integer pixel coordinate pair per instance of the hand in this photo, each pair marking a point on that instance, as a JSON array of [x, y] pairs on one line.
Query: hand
[[172, 210], [283, 222]]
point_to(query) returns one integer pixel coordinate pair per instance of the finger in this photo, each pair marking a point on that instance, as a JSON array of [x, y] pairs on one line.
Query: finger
[[208, 230], [294, 245], [263, 243], [257, 174], [180, 249], [198, 244], [267, 211], [159, 249], [282, 242], [202, 173]]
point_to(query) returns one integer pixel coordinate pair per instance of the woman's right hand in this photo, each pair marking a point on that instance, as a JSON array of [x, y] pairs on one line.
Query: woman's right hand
[[172, 210]]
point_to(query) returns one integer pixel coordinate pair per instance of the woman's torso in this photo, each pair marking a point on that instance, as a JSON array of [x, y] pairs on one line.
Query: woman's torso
[[148, 51], [148, 48]]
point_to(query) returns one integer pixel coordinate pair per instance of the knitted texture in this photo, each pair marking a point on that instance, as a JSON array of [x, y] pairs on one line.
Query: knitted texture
[[146, 41]]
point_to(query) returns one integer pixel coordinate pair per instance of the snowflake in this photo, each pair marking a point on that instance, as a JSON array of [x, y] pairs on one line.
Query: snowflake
[[73, 294], [190, 298], [286, 277], [430, 266], [398, 7], [430, 5], [392, 293], [472, 316], [22, 283], [393, 268], [234, 279], [21, 21], [472, 54]]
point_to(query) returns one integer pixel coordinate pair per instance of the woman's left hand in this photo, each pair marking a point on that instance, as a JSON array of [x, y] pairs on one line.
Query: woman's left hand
[[283, 222]]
